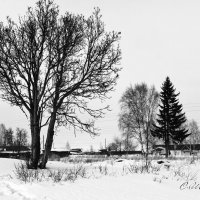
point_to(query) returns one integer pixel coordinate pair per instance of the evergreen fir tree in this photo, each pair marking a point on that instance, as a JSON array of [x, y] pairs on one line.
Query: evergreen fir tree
[[170, 120]]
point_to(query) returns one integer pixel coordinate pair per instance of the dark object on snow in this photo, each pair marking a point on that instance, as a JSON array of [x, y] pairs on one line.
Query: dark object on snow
[[160, 161], [165, 163], [119, 160]]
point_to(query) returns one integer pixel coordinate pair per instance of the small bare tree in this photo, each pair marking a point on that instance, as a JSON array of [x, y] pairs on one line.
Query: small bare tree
[[193, 129], [6, 136], [91, 148], [21, 138], [9, 137], [52, 66], [138, 109], [2, 134], [68, 146]]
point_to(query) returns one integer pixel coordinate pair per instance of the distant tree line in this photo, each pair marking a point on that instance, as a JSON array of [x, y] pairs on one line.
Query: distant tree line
[[122, 144], [10, 138]]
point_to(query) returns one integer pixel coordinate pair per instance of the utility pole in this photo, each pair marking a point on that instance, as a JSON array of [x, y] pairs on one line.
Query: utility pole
[[105, 143], [127, 142]]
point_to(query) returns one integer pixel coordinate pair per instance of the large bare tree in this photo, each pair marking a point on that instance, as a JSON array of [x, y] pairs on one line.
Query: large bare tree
[[138, 109], [52, 66]]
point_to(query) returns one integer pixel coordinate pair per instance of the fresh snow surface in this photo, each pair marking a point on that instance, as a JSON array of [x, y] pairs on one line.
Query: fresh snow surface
[[115, 183]]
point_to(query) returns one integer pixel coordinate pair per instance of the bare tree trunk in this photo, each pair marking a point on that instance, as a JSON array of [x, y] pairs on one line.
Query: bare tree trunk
[[35, 151], [35, 144], [49, 141], [167, 147], [167, 151]]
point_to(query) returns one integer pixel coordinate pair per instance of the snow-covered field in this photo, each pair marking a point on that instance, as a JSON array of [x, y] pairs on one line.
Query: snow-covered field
[[119, 179]]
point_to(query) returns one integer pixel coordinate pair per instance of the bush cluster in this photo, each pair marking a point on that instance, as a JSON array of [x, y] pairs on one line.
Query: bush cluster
[[30, 175]]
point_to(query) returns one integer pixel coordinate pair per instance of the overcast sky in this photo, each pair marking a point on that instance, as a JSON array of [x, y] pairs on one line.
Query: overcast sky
[[159, 38]]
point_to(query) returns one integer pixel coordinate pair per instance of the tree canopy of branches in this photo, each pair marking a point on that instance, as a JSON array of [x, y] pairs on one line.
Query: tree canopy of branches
[[170, 118], [138, 109], [52, 66]]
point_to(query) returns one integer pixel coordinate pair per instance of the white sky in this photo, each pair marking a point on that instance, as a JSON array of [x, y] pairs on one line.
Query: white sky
[[159, 38]]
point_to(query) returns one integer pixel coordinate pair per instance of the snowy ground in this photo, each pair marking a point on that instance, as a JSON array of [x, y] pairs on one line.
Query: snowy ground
[[107, 180]]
